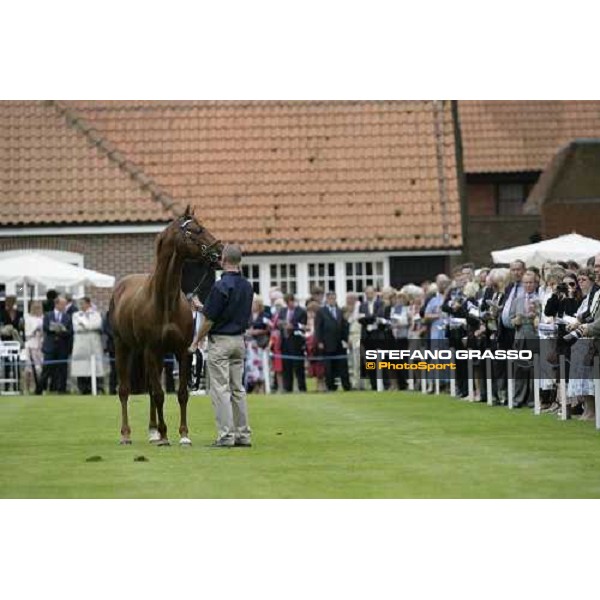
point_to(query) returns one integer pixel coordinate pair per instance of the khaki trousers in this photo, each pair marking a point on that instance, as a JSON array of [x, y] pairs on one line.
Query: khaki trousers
[[225, 365]]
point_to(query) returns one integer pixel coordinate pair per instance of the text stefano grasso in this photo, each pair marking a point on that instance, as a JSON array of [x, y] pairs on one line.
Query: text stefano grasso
[[386, 354]]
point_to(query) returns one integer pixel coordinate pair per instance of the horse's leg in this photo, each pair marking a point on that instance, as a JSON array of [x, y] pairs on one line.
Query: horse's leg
[[182, 396], [153, 366], [122, 363], [153, 435]]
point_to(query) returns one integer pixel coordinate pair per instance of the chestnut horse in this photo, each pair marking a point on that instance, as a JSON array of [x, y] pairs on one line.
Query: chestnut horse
[[151, 317]]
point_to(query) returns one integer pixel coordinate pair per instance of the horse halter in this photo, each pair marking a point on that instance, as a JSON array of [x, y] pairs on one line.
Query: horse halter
[[207, 250]]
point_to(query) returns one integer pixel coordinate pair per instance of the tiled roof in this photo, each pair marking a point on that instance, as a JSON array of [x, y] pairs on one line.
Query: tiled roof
[[510, 136], [293, 176], [52, 173]]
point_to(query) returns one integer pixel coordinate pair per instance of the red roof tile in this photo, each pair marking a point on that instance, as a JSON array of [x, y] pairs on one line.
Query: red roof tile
[[274, 176], [298, 176], [509, 136], [50, 173]]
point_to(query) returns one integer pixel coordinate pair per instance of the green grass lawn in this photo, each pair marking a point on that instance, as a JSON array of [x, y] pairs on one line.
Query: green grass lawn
[[355, 445]]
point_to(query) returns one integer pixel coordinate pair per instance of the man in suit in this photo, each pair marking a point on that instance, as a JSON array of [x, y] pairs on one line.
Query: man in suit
[[292, 323], [331, 332], [57, 344], [369, 311], [506, 328], [527, 310], [593, 329]]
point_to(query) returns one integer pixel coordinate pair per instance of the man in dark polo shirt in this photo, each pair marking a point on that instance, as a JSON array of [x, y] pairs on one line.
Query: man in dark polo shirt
[[227, 312]]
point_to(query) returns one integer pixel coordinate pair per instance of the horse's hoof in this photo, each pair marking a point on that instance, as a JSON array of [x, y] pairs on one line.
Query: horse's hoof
[[185, 441], [153, 436], [163, 442], [125, 442]]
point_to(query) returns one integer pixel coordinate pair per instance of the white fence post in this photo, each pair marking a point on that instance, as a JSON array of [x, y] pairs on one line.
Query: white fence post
[[488, 382], [267, 370], [537, 407], [562, 385], [93, 372], [510, 383], [436, 384], [423, 382], [470, 382], [596, 376], [379, 378]]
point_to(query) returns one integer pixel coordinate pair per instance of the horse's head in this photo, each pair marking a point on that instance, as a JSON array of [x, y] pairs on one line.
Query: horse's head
[[193, 241]]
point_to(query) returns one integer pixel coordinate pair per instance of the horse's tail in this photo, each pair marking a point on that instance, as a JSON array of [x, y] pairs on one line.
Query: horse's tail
[[137, 373]]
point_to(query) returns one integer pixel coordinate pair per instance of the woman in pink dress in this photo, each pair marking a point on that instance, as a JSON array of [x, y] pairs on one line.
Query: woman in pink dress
[[275, 346]]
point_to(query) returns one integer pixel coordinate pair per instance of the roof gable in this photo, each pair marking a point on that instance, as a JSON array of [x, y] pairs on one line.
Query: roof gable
[[521, 135]]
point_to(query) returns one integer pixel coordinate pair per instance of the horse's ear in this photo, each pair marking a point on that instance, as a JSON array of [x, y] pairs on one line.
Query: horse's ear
[[189, 211]]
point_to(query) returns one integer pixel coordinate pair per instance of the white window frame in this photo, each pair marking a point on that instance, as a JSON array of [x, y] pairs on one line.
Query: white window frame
[[324, 280], [253, 280], [288, 279], [377, 280], [339, 258]]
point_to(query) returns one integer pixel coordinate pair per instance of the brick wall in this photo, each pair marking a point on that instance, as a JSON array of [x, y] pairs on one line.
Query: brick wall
[[580, 217], [481, 200], [496, 233], [117, 255]]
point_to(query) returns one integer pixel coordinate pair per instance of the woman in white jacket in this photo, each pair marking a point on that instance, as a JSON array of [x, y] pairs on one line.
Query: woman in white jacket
[[87, 328]]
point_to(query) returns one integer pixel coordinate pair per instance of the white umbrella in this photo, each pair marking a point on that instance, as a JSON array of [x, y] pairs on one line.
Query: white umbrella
[[565, 247], [31, 268]]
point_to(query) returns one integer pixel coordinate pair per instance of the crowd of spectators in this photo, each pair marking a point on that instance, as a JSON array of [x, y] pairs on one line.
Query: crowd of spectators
[[553, 311]]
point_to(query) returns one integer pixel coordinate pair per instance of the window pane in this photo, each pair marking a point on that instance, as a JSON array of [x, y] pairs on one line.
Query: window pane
[[321, 269], [350, 285], [245, 270], [293, 287], [284, 287], [369, 268], [331, 285], [349, 270], [292, 270], [369, 281], [379, 268], [511, 191], [273, 272], [359, 269], [311, 270], [359, 286], [256, 287], [255, 272], [331, 269]]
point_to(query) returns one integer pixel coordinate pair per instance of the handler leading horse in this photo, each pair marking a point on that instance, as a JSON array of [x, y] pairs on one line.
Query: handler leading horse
[[151, 317]]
